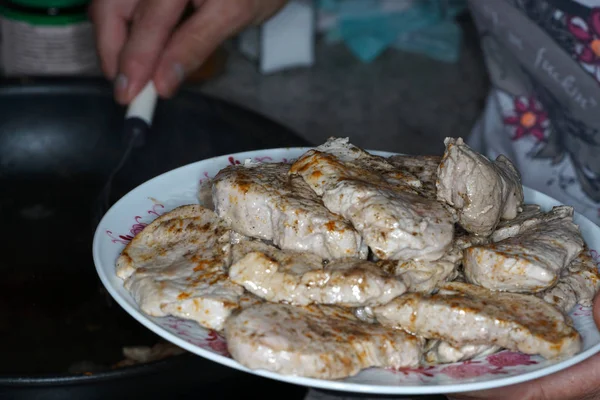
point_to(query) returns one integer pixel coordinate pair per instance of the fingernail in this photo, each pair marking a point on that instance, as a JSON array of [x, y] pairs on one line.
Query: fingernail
[[121, 85], [172, 78], [178, 74]]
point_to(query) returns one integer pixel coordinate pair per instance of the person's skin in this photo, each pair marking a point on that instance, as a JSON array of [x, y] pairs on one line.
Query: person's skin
[[137, 40], [152, 49]]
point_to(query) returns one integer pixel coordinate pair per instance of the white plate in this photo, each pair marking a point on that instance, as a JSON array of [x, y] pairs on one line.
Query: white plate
[[178, 187]]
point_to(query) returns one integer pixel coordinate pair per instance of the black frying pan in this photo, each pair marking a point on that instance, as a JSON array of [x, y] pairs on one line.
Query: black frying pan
[[59, 141]]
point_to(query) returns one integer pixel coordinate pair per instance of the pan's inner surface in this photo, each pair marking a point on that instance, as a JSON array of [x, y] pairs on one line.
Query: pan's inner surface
[[58, 143]]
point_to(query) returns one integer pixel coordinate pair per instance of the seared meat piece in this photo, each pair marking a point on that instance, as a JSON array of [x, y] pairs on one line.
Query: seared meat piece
[[464, 314], [528, 262], [316, 341], [422, 167], [394, 220], [248, 300], [356, 161], [440, 352], [481, 191], [178, 266], [301, 279], [262, 201], [397, 225], [530, 216], [578, 284], [464, 240], [425, 276], [365, 314]]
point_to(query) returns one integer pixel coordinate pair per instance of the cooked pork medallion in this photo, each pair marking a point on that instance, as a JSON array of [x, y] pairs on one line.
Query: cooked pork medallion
[[463, 314], [301, 279], [316, 341], [578, 284], [423, 167], [440, 352], [394, 220], [530, 216], [262, 201], [464, 240], [480, 190], [178, 266], [529, 262], [425, 276]]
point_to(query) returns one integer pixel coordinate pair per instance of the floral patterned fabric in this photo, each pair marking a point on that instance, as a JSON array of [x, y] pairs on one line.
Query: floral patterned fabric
[[543, 58]]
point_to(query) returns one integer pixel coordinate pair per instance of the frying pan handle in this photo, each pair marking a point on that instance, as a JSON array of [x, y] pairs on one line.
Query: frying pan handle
[[140, 113]]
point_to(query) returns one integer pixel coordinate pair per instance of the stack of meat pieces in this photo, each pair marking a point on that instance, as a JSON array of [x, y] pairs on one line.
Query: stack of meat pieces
[[345, 260]]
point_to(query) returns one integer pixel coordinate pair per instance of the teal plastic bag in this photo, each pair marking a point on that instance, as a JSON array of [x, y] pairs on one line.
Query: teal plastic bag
[[369, 27]]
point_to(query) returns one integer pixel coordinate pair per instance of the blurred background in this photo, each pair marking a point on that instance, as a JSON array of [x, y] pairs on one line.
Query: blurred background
[[374, 70]]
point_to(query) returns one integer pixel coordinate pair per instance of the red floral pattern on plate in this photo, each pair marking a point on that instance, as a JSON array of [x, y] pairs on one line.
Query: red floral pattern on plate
[[217, 343], [423, 371], [137, 227], [596, 257], [233, 161], [509, 359], [470, 369], [582, 311], [192, 333]]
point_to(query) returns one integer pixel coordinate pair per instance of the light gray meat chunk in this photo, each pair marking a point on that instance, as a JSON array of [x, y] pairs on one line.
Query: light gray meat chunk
[[422, 167], [178, 265], [463, 314], [316, 341], [529, 262], [441, 352], [301, 279], [263, 202], [530, 216], [381, 202], [481, 191], [425, 276], [578, 284]]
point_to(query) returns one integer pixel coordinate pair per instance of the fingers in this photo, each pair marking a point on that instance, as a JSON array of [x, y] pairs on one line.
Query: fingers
[[581, 381], [110, 18], [596, 309], [152, 24], [194, 42]]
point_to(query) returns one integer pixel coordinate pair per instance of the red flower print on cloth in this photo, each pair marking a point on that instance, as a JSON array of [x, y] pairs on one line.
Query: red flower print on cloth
[[587, 33], [137, 227], [528, 119], [510, 359]]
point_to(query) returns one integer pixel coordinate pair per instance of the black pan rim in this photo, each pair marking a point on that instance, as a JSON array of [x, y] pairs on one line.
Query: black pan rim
[[77, 379]]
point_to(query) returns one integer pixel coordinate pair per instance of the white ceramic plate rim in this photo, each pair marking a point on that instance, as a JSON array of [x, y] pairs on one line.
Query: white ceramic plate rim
[[310, 382]]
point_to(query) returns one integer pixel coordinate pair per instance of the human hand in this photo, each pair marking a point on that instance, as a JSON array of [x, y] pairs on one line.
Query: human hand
[[139, 40], [580, 382]]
